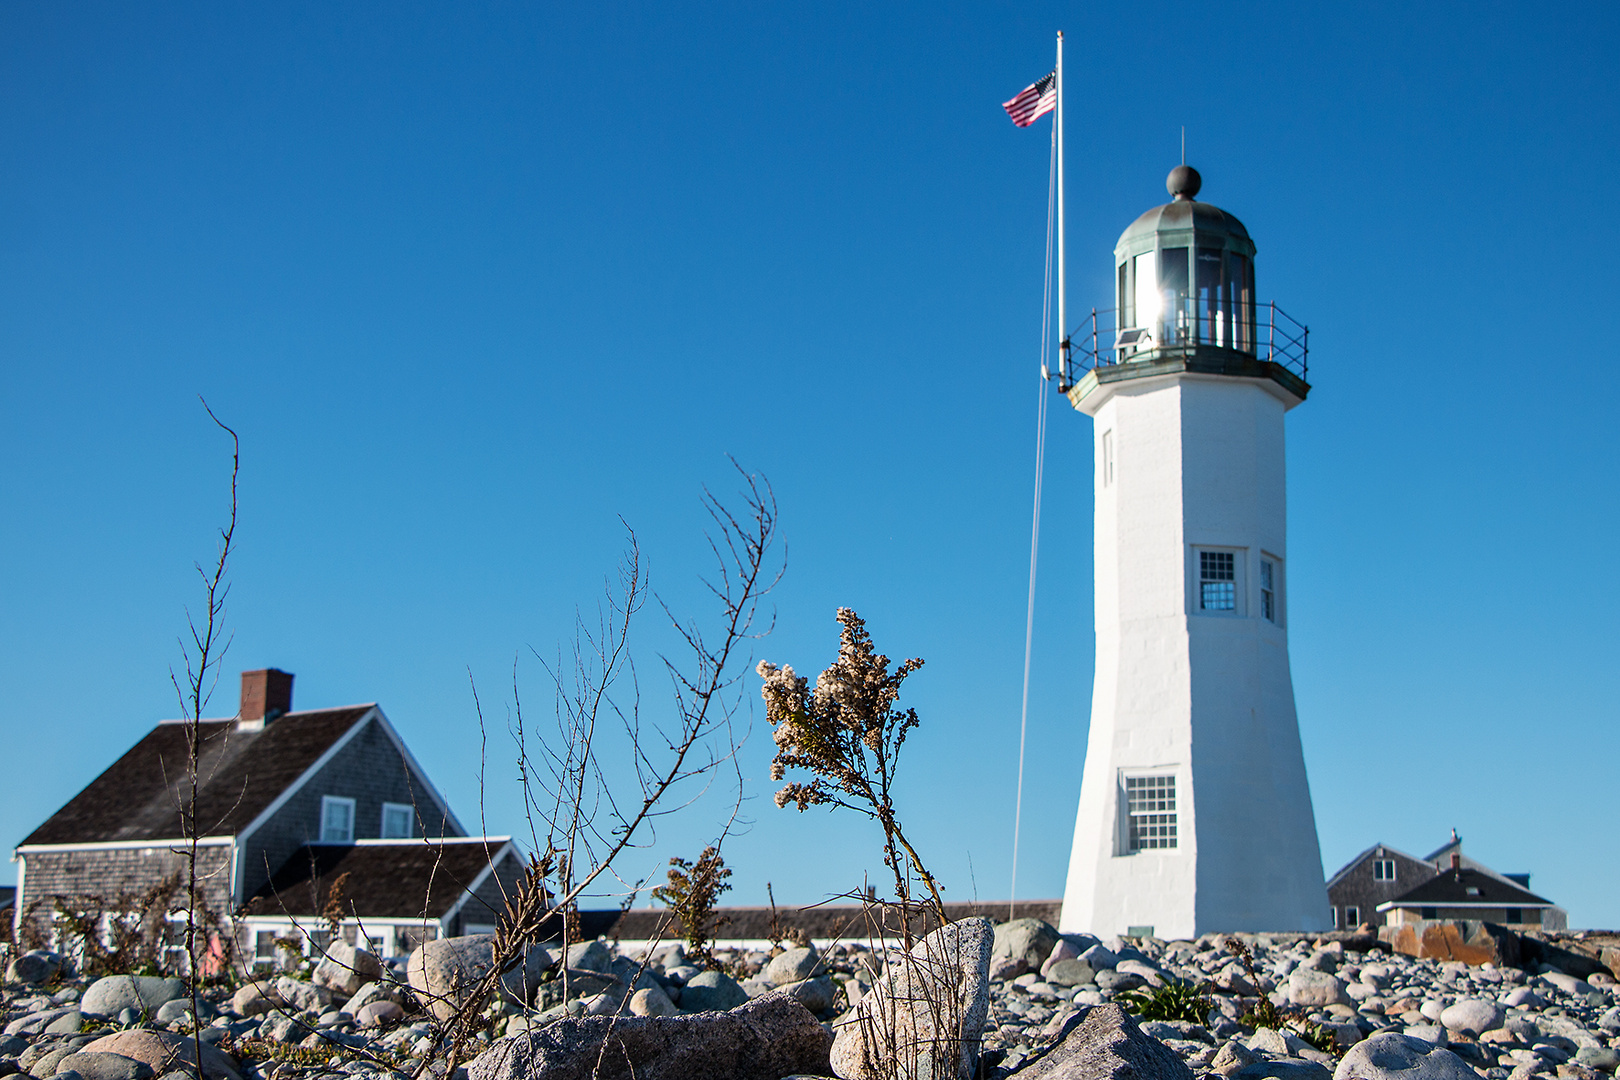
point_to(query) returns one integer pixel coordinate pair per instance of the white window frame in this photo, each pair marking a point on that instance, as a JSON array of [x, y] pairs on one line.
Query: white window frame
[[1380, 865], [1146, 780], [1352, 916], [1239, 557], [328, 804], [410, 821], [1271, 600]]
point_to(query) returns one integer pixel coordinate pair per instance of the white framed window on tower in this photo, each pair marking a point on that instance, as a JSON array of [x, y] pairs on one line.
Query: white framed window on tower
[[1271, 588], [1218, 576], [1108, 458], [1150, 812], [337, 820], [396, 820]]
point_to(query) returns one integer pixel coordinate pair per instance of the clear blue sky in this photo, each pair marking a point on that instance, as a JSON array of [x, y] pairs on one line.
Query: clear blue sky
[[473, 280]]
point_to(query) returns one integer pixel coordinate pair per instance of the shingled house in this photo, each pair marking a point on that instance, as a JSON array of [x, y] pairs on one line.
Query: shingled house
[[278, 792], [1386, 886]]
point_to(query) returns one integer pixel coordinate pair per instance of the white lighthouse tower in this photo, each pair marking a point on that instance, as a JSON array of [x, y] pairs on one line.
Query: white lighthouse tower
[[1195, 814]]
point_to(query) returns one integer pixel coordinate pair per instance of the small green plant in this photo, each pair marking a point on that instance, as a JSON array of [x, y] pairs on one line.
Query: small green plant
[[691, 893], [1265, 1013], [1176, 1000]]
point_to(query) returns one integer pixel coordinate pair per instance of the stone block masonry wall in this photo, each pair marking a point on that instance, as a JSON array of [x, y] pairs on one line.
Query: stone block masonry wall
[[116, 874], [371, 771]]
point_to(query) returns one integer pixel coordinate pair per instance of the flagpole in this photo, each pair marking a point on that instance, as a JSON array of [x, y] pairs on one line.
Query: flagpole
[[1063, 325]]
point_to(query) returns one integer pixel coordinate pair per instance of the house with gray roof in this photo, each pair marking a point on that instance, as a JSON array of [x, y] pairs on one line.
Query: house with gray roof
[[1372, 887], [277, 788]]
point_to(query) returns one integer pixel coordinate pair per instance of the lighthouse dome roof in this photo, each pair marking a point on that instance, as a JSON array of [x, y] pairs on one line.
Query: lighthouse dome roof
[[1183, 220]]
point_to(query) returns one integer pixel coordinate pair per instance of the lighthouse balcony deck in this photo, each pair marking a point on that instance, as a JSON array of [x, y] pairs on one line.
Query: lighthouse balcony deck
[[1262, 342]]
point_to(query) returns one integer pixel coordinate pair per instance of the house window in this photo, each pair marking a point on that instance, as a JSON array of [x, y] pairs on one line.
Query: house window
[[1472, 890], [1352, 918], [337, 820], [1150, 805], [1108, 458], [1426, 913], [1515, 915], [1383, 869], [264, 945], [1217, 581], [1270, 572], [396, 820]]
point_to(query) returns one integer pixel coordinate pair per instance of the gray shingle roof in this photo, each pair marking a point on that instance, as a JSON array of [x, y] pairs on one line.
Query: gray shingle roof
[[240, 773]]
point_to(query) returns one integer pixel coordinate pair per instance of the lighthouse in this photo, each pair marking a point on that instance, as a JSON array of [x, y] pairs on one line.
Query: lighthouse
[[1195, 812]]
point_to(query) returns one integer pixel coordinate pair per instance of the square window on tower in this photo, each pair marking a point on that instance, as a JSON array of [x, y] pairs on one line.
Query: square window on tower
[[1217, 581], [1150, 810]]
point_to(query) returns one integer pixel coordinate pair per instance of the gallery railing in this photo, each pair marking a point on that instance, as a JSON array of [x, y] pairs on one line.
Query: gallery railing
[[1186, 326]]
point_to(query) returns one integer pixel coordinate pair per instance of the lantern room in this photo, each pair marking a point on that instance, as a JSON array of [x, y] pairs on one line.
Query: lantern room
[[1184, 300]]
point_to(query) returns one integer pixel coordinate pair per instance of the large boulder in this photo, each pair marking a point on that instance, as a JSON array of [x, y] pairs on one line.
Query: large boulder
[[345, 968], [164, 1051], [1105, 1043], [290, 993], [765, 1039], [146, 994], [926, 1012], [445, 971], [1391, 1056], [1028, 940], [103, 1066]]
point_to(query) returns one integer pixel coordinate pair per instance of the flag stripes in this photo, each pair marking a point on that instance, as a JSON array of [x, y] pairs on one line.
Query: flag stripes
[[1034, 101]]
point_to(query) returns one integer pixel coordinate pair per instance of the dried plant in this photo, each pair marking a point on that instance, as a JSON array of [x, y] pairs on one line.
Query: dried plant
[[579, 824], [779, 931], [333, 911], [692, 892], [848, 734]]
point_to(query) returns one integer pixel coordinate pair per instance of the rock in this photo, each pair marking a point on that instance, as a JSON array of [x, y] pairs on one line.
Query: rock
[[106, 998], [652, 1001], [345, 969], [162, 1051], [35, 967], [45, 1063], [251, 1000], [1286, 1069], [1472, 1016], [378, 1012], [1071, 973], [1522, 997], [299, 996], [444, 972], [104, 1066], [12, 1046], [1029, 940], [1101, 1044], [1389, 1056], [712, 991], [1232, 1057], [791, 966], [171, 1011], [1314, 989], [1569, 984], [382, 990], [770, 1037], [1065, 949], [817, 995], [1272, 1041], [1150, 974], [924, 1017], [1601, 1058], [1007, 968], [1108, 979], [1431, 1009], [36, 1022], [590, 956], [72, 1023], [1434, 1034], [1100, 956]]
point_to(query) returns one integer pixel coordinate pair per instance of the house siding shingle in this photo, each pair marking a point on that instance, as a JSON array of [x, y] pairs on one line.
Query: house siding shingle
[[489, 899], [107, 873], [1358, 889], [369, 769]]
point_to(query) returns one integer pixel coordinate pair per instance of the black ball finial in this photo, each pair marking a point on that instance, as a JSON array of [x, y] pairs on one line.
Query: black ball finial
[[1184, 182]]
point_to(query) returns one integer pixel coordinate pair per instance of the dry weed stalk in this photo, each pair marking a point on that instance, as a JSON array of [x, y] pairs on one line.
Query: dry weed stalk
[[579, 825], [848, 733], [692, 892]]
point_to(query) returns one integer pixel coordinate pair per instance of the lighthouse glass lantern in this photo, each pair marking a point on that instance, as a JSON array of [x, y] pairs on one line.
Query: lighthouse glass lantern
[[1195, 812]]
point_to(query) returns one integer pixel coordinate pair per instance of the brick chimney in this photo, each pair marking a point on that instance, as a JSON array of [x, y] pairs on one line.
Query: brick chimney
[[266, 694]]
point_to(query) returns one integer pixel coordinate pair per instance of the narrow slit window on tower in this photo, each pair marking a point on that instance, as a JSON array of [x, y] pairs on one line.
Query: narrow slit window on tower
[[1107, 458], [1217, 581], [1268, 589], [1150, 806]]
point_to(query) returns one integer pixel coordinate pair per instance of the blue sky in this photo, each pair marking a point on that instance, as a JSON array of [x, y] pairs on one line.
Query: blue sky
[[473, 281]]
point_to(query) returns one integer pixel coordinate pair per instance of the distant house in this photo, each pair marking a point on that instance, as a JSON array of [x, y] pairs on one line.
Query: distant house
[[393, 894], [275, 788], [1378, 882], [1468, 894]]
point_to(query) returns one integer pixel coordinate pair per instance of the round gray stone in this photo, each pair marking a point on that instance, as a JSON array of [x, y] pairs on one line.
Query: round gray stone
[[712, 991], [1473, 1016], [146, 994], [791, 966], [1389, 1056]]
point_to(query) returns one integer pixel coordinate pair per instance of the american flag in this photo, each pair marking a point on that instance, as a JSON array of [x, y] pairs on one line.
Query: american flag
[[1034, 101]]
